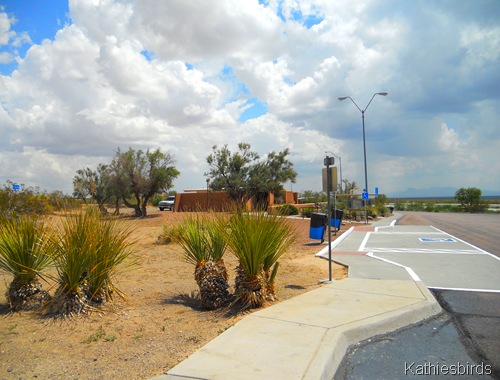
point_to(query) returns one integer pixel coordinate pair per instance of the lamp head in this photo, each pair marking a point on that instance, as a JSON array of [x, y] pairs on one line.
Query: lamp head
[[382, 93], [343, 98]]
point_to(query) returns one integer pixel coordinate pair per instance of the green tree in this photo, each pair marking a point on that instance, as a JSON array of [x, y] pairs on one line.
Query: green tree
[[243, 175], [469, 198], [310, 196], [348, 187], [142, 175], [93, 183]]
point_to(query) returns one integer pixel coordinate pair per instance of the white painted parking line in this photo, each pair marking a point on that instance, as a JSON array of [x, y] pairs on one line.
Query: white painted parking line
[[363, 243], [465, 289], [427, 250], [407, 233], [469, 244], [410, 271]]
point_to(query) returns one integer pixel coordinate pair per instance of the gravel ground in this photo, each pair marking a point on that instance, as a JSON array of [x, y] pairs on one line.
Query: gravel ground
[[160, 324]]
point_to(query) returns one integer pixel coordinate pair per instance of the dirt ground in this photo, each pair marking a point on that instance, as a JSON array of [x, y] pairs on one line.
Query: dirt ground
[[160, 325]]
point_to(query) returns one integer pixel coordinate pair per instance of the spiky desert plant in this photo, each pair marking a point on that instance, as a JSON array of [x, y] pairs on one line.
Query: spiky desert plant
[[214, 280], [284, 237], [204, 246], [170, 233], [113, 247], [87, 252], [22, 253], [71, 248], [258, 241]]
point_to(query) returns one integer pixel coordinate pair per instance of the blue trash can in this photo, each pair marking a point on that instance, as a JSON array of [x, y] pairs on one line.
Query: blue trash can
[[318, 226], [336, 219]]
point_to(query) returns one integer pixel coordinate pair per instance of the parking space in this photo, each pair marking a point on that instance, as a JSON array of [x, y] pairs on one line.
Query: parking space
[[438, 259]]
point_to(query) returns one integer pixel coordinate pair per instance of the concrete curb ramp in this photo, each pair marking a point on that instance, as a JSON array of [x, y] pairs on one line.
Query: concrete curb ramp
[[306, 337]]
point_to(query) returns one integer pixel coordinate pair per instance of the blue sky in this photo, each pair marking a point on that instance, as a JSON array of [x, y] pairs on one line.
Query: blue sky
[[79, 79], [37, 19]]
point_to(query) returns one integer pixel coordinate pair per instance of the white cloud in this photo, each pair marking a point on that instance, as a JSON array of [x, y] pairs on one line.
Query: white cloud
[[177, 75], [6, 34], [449, 140]]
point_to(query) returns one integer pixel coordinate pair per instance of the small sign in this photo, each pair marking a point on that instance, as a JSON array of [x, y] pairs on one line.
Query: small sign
[[437, 240], [365, 195], [376, 191], [333, 179], [16, 187]]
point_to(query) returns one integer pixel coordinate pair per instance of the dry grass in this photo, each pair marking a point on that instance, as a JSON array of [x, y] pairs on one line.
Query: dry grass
[[160, 324]]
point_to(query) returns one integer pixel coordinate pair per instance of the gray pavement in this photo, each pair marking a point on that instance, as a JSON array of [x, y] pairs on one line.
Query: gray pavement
[[431, 349], [432, 256], [307, 337]]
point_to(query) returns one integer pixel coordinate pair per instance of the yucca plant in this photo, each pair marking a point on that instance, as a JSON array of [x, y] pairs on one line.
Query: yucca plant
[[22, 253], [112, 249], [169, 234], [258, 241], [284, 236], [204, 246], [71, 249], [87, 252]]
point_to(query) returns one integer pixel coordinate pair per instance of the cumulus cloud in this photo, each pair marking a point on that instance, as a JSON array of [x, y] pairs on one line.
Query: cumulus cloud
[[449, 139], [178, 75]]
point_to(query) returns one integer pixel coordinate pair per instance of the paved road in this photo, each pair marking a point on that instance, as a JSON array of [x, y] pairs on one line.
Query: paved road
[[465, 337]]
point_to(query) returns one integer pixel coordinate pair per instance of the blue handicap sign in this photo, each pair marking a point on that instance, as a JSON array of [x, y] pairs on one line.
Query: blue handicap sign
[[376, 191], [365, 194], [16, 187]]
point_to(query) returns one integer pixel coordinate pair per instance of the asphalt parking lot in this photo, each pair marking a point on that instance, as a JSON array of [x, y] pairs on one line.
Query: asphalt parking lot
[[463, 341]]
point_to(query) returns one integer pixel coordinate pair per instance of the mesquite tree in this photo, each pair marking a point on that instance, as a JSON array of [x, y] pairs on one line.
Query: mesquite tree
[[143, 174], [244, 175]]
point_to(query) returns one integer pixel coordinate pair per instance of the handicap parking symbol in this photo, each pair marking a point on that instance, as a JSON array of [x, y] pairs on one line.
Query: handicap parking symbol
[[437, 240]]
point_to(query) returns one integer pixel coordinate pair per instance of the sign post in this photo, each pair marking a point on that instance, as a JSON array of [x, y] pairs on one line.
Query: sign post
[[329, 161], [365, 201]]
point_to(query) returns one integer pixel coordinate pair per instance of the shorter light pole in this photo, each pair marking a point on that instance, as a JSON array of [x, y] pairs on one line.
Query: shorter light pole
[[208, 181], [328, 161], [335, 194]]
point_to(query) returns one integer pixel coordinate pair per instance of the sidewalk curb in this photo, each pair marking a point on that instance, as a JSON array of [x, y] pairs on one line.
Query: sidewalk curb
[[337, 341], [336, 241]]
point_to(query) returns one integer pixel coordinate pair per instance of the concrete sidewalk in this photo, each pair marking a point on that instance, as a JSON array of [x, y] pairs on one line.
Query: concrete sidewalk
[[306, 337]]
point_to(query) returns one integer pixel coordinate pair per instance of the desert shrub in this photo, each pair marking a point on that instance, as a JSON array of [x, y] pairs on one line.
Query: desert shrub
[[87, 253], [399, 206], [202, 239], [258, 241], [31, 200], [156, 199], [170, 233], [23, 242], [378, 205], [287, 209], [372, 212], [430, 207]]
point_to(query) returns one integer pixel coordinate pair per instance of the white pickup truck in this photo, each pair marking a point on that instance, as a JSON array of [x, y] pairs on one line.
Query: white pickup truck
[[167, 204]]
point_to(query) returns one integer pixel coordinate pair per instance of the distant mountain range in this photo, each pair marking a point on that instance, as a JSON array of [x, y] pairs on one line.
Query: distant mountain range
[[434, 192]]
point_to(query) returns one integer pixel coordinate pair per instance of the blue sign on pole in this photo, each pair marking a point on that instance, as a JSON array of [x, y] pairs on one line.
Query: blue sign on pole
[[376, 191], [365, 194], [16, 187]]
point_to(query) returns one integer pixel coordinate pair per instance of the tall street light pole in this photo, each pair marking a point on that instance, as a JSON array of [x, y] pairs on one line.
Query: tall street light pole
[[364, 139]]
